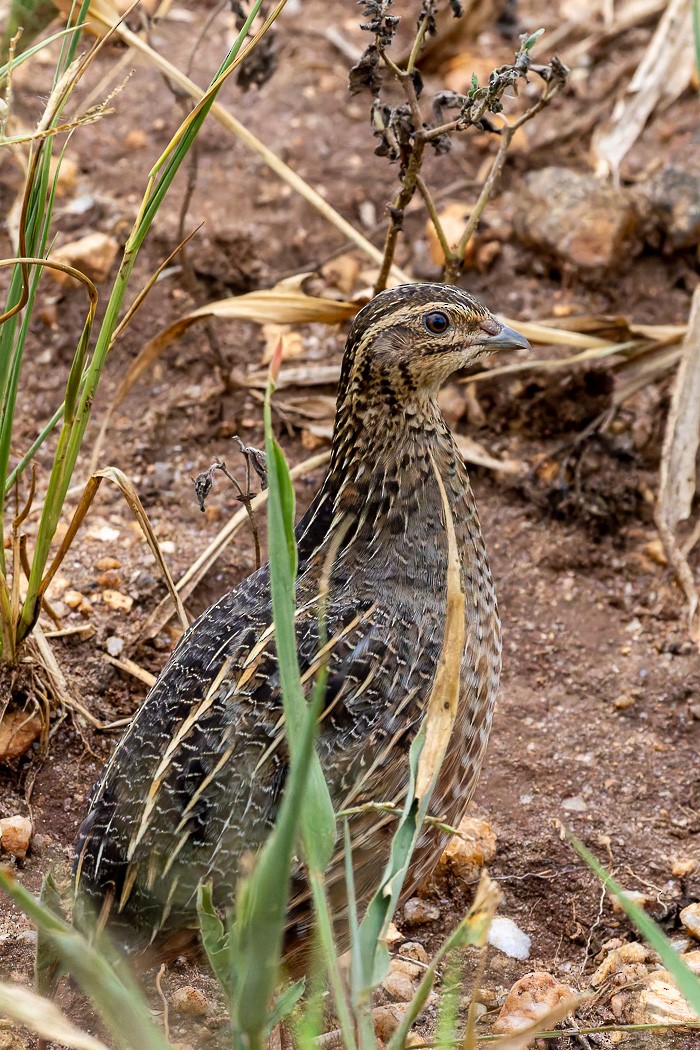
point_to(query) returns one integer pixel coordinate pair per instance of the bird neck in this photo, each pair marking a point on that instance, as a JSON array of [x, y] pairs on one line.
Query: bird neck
[[381, 481]]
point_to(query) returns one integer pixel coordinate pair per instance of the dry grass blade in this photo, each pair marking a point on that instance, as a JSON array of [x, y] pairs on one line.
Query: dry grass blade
[[643, 368], [130, 667], [56, 677], [663, 73], [442, 704], [677, 474], [473, 452], [163, 612], [127, 489], [286, 303], [553, 364], [44, 1017]]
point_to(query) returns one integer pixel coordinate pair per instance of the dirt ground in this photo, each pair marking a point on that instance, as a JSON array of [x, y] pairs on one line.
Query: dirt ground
[[598, 721]]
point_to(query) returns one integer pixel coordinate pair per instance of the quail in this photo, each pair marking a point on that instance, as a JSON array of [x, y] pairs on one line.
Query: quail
[[194, 785]]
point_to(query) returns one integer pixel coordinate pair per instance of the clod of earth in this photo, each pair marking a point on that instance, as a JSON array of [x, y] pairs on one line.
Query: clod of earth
[[575, 219], [469, 850], [93, 255], [18, 731]]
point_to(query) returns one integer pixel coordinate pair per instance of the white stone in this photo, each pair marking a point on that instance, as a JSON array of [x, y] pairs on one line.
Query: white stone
[[507, 937], [114, 645], [575, 804]]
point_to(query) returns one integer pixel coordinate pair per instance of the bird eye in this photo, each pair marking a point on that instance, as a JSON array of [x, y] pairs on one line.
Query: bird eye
[[436, 322]]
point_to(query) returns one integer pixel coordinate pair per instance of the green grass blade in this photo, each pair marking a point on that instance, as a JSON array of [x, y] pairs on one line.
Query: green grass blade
[[31, 16], [31, 452], [115, 996], [373, 956], [261, 906], [72, 433], [318, 819], [448, 1006], [34, 49], [214, 937], [688, 983], [47, 965], [284, 1004]]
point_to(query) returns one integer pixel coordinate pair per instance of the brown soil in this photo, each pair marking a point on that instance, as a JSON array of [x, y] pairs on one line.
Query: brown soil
[[588, 616]]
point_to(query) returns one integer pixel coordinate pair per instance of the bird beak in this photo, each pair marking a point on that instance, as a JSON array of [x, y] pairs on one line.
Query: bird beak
[[506, 339]]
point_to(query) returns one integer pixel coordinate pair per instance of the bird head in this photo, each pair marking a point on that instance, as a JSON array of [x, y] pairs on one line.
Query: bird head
[[408, 340]]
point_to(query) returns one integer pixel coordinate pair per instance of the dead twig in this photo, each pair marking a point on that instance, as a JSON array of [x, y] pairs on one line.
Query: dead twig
[[254, 462], [404, 131]]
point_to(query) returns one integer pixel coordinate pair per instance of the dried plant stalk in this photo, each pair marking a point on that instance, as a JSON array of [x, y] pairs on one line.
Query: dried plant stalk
[[677, 473]]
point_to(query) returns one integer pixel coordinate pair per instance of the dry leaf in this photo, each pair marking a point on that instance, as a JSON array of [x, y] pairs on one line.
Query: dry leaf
[[292, 342], [664, 72]]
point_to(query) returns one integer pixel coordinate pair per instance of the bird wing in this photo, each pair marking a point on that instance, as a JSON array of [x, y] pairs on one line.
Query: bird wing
[[194, 786]]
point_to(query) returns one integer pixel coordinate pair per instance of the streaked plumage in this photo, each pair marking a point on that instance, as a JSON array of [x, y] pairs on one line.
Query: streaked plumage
[[194, 785]]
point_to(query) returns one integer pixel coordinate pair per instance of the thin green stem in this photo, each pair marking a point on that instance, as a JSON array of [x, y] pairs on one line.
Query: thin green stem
[[417, 44], [324, 924]]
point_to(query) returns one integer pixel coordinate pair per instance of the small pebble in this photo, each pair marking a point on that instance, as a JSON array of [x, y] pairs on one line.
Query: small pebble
[[18, 731], [93, 255], [692, 960], [469, 850], [103, 534], [414, 950], [408, 967], [683, 866], [106, 563], [652, 1000], [15, 836], [399, 986], [189, 1001], [136, 139], [117, 600], [574, 805], [393, 936], [115, 645], [387, 1019], [690, 917], [73, 599], [417, 911], [529, 1000]]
